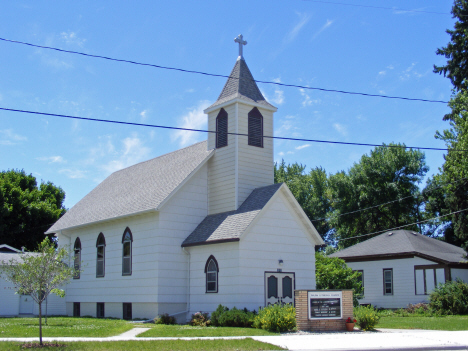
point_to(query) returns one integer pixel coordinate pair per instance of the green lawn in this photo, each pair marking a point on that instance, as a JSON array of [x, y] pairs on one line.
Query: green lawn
[[160, 330], [63, 326], [182, 345], [428, 323]]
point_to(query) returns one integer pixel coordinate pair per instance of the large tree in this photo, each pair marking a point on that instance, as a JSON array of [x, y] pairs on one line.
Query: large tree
[[26, 209], [39, 273], [456, 50], [387, 174], [309, 189]]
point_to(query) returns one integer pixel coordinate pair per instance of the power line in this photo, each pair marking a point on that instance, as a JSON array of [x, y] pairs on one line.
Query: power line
[[222, 75], [403, 226], [378, 7], [385, 203], [230, 133]]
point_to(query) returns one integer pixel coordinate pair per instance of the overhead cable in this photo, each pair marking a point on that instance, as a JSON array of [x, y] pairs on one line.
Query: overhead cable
[[222, 75], [230, 133]]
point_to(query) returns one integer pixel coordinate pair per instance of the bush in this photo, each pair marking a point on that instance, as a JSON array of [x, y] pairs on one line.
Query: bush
[[276, 318], [165, 319], [216, 314], [200, 319], [450, 298], [367, 317], [237, 318]]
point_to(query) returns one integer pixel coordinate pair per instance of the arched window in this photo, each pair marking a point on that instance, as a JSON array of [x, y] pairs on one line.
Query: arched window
[[77, 260], [211, 272], [255, 128], [127, 239], [221, 129], [101, 255]]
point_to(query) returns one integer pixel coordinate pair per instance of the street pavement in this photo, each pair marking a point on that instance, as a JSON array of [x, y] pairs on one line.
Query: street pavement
[[382, 340]]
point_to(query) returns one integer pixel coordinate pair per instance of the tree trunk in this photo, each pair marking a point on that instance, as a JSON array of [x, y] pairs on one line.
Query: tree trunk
[[40, 323]]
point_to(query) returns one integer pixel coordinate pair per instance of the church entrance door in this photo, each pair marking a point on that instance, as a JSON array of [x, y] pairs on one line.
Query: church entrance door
[[279, 288]]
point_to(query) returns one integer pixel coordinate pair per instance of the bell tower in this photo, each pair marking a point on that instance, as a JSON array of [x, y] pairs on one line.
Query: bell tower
[[243, 160]]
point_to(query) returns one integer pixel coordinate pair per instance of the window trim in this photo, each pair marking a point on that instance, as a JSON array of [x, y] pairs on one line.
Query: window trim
[[211, 258], [362, 280], [77, 247], [424, 268], [391, 275], [222, 114], [127, 230], [101, 242], [254, 113]]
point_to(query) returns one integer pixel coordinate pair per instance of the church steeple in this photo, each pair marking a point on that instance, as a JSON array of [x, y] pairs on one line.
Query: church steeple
[[241, 163]]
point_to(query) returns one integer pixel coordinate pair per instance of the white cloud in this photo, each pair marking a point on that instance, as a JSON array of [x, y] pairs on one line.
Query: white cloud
[[8, 137], [382, 73], [144, 115], [340, 129], [281, 153], [303, 19], [325, 26], [302, 146], [406, 74], [191, 90], [307, 100], [279, 97], [51, 159], [73, 173], [194, 119], [133, 151], [390, 67], [72, 39]]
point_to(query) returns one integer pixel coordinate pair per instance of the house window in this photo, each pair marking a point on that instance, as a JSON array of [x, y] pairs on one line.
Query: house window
[[77, 259], [211, 272], [255, 128], [127, 311], [127, 239], [100, 310], [76, 309], [361, 280], [221, 129], [427, 278], [101, 255], [388, 281]]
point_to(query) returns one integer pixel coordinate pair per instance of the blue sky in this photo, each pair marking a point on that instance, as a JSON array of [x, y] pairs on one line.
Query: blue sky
[[331, 46]]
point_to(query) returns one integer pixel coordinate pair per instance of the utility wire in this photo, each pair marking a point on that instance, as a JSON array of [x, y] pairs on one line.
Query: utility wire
[[386, 203], [222, 75], [378, 7], [403, 226], [230, 133]]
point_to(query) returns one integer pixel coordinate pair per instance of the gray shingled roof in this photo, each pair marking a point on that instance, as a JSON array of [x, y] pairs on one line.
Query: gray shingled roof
[[241, 84], [229, 226], [404, 242], [135, 189]]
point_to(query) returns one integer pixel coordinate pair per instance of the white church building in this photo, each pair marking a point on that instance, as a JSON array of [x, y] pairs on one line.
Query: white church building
[[200, 226]]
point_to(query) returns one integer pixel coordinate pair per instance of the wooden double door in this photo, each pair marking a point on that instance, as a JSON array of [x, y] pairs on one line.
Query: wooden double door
[[279, 288]]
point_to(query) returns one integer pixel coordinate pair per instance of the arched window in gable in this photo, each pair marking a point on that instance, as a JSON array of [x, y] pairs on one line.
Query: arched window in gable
[[221, 129], [127, 240], [101, 255], [211, 273], [77, 259], [255, 128]]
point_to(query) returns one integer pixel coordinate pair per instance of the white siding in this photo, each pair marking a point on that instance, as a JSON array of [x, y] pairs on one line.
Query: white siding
[[9, 301], [459, 273], [403, 282], [277, 234]]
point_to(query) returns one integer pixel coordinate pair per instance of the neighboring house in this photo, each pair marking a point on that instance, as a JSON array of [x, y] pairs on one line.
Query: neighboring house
[[12, 304], [401, 267], [198, 227]]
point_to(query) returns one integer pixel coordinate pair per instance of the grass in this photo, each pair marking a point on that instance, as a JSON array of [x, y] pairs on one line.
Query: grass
[[182, 345], [62, 326], [161, 330], [429, 323]]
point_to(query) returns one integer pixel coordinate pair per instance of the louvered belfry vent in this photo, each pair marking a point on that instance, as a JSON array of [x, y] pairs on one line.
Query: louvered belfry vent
[[255, 128], [221, 129]]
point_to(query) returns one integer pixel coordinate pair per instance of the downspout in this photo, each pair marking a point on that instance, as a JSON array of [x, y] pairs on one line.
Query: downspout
[[188, 278]]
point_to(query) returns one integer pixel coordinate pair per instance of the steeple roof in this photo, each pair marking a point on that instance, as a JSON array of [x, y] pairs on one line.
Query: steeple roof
[[241, 85]]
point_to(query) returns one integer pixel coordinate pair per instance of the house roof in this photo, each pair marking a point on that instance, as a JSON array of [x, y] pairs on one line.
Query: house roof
[[136, 189], [241, 85], [8, 248], [229, 226], [403, 242]]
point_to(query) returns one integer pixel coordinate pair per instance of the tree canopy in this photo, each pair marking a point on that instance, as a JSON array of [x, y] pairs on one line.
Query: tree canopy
[[26, 209]]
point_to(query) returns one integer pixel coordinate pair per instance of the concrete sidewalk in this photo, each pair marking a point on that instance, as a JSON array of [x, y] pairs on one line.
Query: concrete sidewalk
[[385, 339]]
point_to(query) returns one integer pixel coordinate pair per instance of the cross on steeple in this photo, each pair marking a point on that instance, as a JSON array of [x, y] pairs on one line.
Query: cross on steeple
[[241, 41]]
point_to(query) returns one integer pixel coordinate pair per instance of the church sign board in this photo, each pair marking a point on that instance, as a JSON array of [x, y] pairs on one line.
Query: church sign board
[[325, 304]]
